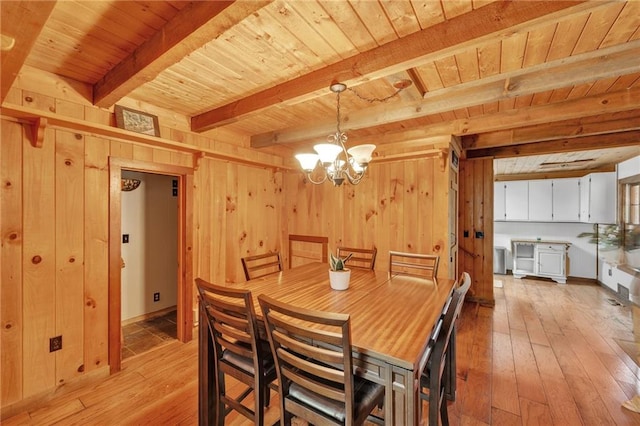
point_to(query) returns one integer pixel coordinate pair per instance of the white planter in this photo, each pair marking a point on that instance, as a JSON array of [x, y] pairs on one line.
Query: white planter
[[339, 280]]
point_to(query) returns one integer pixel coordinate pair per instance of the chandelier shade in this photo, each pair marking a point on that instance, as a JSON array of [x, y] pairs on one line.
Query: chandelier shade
[[308, 162], [328, 152], [362, 153]]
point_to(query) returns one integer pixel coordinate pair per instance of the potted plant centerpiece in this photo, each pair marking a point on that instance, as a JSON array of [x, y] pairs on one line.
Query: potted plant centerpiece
[[339, 276]]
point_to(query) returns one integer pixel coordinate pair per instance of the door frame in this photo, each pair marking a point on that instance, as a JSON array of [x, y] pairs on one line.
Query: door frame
[[184, 319]]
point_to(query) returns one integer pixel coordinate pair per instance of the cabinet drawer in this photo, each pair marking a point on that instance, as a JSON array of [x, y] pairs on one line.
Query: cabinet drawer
[[551, 247]]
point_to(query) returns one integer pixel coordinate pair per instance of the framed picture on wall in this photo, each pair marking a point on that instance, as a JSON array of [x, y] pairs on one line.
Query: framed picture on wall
[[137, 121]]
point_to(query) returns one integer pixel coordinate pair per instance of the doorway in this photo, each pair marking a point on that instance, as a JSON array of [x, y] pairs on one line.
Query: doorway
[[149, 220], [184, 273]]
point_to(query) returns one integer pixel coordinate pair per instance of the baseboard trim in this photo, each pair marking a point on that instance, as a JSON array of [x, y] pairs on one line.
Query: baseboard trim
[[149, 315]]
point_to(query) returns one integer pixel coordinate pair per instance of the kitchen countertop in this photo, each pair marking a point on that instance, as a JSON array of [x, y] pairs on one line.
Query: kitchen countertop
[[525, 240]]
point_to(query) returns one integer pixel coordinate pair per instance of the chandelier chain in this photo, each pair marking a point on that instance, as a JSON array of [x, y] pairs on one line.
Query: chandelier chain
[[372, 100], [338, 113]]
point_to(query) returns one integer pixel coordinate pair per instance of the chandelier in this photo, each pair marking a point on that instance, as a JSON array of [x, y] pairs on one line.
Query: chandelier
[[336, 161]]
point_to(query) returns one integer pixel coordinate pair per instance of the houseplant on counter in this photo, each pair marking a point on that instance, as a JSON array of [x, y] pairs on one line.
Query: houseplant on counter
[[339, 276], [617, 244]]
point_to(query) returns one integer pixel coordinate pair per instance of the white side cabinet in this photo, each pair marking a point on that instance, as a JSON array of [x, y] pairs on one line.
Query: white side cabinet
[[540, 258]]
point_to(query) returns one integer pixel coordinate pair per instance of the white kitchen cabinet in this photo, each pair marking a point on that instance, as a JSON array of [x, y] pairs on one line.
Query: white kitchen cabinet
[[598, 198], [541, 200], [566, 200], [538, 200], [511, 200], [498, 201], [540, 258], [516, 200]]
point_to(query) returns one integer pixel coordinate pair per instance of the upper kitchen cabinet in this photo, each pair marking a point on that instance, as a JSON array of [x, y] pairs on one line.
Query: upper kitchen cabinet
[[598, 198], [541, 200], [511, 200], [566, 200]]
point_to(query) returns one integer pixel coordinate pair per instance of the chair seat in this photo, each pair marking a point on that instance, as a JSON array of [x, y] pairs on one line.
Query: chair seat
[[366, 396], [246, 364]]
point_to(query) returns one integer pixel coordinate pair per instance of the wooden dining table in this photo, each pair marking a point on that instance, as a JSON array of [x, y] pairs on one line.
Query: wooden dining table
[[393, 319]]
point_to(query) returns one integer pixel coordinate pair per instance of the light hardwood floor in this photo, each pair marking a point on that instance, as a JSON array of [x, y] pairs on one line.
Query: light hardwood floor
[[546, 354]]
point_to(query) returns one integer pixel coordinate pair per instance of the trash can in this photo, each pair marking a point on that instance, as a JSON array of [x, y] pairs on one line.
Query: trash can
[[500, 260]]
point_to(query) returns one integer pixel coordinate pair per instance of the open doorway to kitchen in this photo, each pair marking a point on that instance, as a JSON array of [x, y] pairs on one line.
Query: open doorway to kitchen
[[137, 304]]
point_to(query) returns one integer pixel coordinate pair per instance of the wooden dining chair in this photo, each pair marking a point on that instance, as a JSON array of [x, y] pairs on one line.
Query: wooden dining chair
[[414, 263], [238, 352], [308, 248], [463, 287], [259, 265], [312, 351], [361, 258], [436, 377]]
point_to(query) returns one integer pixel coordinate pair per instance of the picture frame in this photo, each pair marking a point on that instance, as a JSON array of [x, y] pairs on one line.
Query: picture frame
[[137, 121]]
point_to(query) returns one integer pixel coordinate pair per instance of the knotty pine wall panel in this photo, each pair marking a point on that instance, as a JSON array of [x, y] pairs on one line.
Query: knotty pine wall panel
[[11, 291], [69, 251], [38, 262], [476, 215], [238, 213], [96, 252], [396, 207]]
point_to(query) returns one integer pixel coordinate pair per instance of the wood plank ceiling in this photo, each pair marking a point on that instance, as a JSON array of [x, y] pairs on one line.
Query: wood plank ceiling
[[526, 82]]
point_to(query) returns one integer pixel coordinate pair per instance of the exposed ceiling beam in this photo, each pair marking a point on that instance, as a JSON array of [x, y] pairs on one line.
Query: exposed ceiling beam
[[607, 103], [584, 143], [193, 27], [398, 55], [572, 71], [22, 21], [584, 126]]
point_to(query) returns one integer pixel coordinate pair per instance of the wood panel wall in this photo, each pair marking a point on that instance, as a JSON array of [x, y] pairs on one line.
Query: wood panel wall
[[55, 226], [475, 254], [238, 213], [397, 206], [55, 236]]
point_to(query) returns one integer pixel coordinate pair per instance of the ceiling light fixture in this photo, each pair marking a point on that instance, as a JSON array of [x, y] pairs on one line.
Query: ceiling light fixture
[[563, 164], [129, 184], [337, 162]]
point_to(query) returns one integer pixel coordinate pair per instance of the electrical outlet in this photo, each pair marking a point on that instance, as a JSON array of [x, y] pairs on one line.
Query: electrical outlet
[[156, 297], [55, 343]]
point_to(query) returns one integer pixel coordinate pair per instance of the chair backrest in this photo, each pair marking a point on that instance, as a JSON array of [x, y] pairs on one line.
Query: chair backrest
[[464, 283], [307, 248], [452, 313], [238, 351], [260, 265], [232, 321], [361, 258], [414, 264], [312, 351]]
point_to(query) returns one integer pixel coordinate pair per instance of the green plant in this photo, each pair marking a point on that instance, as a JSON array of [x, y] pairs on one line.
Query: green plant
[[337, 263], [613, 237], [608, 237]]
